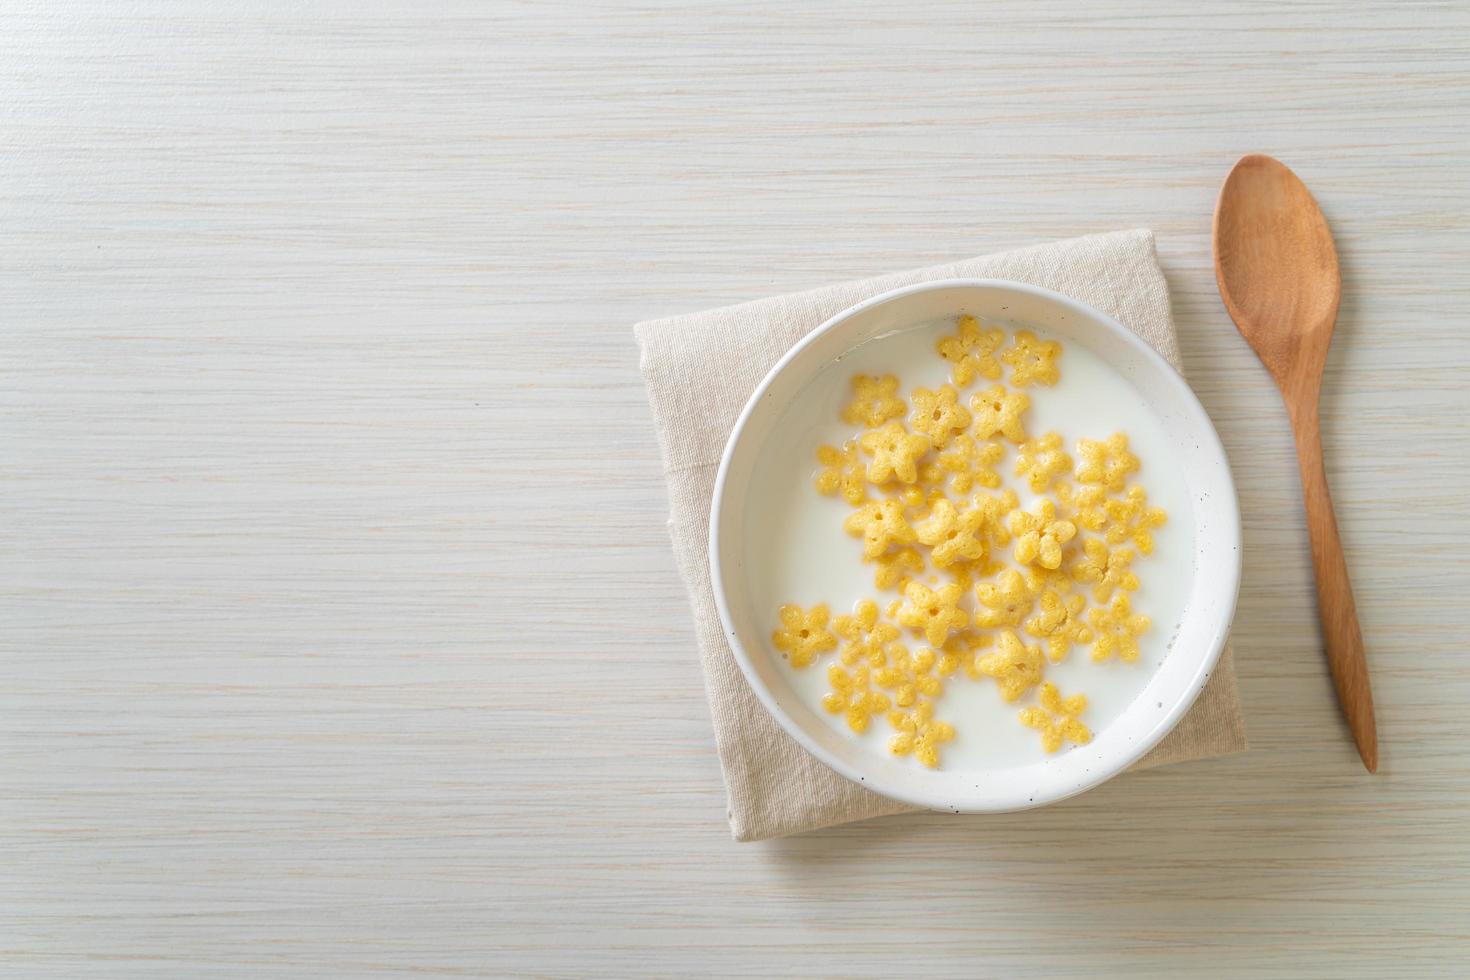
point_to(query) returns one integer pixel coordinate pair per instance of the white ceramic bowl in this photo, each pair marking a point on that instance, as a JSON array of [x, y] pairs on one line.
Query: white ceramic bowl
[[1214, 515]]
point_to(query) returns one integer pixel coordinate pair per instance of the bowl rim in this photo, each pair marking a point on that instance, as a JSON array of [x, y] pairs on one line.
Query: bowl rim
[[1139, 747]]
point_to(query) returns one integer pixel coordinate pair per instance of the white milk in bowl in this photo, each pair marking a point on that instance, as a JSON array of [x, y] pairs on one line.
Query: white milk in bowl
[[801, 554]]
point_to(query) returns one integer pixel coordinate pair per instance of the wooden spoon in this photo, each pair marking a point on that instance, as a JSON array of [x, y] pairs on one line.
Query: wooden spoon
[[1277, 271]]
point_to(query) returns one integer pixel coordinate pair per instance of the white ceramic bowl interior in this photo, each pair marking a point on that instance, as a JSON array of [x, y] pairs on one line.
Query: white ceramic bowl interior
[[1195, 449]]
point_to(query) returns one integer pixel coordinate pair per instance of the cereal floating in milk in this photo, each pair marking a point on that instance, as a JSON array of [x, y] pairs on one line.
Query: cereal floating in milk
[[874, 401], [1059, 623], [1041, 460], [972, 351], [997, 412], [919, 734], [977, 566], [1106, 570], [1117, 629], [938, 414], [895, 453], [843, 471], [1056, 718], [803, 633], [853, 696], [1108, 463], [1015, 666], [1032, 361], [1040, 535]]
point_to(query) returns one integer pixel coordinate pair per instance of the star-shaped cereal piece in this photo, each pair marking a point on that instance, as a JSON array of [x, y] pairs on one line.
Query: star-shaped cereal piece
[[953, 535], [867, 639], [1104, 569], [1058, 580], [1032, 361], [852, 695], [895, 453], [881, 525], [1056, 718], [996, 508], [919, 498], [1040, 535], [919, 734], [1042, 460], [972, 463], [1117, 630], [1004, 602], [958, 652], [1060, 624], [1106, 463], [996, 411], [934, 613], [843, 471], [896, 568], [1015, 666], [967, 573], [1087, 507], [972, 351], [803, 635], [874, 401], [910, 675], [1132, 518], [938, 414]]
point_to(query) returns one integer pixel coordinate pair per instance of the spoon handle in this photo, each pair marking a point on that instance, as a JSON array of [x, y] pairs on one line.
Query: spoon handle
[[1340, 632]]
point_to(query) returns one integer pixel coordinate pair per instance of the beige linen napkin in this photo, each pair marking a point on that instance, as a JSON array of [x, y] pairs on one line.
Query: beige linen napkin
[[700, 370]]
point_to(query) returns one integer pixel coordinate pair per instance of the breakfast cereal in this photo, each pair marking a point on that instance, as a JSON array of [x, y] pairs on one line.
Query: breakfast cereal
[[990, 587]]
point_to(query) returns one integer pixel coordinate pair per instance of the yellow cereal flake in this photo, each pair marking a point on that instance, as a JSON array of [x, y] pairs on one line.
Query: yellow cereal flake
[[843, 471], [958, 652], [918, 498], [1056, 718], [1104, 569], [996, 508], [1015, 666], [910, 675], [895, 453], [803, 635], [934, 613], [874, 401], [1107, 463], [1004, 602], [896, 568], [972, 463], [966, 573], [938, 524], [972, 351], [1117, 630], [938, 414], [919, 734], [997, 411], [867, 639], [1060, 624], [1041, 460], [1039, 580], [1131, 518], [1040, 535], [1087, 507], [881, 525], [953, 535], [852, 696], [1032, 361]]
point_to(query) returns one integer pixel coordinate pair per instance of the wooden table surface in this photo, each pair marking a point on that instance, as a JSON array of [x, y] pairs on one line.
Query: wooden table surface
[[339, 631]]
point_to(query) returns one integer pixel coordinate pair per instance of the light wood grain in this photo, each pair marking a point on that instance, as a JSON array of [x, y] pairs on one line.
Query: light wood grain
[[1279, 278], [339, 632]]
